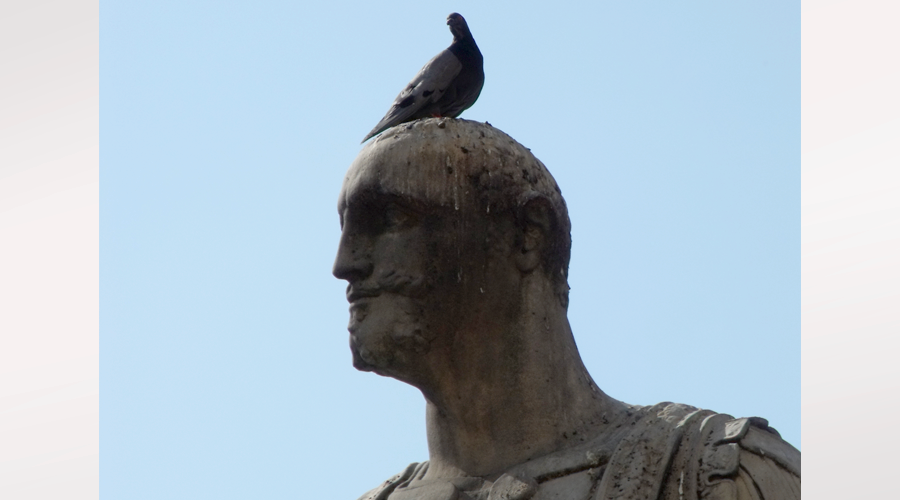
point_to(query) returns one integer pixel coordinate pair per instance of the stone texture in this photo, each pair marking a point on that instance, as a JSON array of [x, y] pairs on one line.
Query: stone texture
[[455, 245]]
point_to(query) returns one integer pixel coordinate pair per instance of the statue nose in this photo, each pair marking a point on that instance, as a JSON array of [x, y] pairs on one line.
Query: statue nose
[[353, 261]]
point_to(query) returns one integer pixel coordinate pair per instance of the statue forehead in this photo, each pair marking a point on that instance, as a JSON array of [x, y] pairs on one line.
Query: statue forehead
[[430, 176], [441, 162]]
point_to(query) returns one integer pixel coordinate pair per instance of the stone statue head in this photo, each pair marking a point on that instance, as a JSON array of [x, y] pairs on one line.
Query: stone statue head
[[442, 223]]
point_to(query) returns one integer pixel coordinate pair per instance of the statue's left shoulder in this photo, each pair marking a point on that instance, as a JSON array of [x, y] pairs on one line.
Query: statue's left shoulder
[[745, 459]]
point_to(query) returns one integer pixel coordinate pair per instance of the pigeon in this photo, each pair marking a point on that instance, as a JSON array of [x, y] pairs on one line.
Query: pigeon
[[448, 85]]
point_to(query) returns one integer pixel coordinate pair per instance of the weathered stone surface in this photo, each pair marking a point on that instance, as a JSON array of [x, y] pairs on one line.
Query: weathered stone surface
[[455, 244], [512, 488]]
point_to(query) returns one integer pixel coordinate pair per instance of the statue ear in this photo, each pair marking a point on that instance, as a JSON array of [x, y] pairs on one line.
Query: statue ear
[[535, 219]]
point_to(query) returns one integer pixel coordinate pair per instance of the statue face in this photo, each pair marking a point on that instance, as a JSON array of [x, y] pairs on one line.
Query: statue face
[[394, 255], [434, 256], [381, 257]]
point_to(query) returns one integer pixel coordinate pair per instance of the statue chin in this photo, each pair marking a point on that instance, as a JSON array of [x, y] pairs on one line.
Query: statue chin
[[385, 333], [369, 354], [386, 352], [359, 362]]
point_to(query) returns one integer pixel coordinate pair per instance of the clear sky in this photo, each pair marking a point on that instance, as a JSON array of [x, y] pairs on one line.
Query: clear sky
[[226, 128]]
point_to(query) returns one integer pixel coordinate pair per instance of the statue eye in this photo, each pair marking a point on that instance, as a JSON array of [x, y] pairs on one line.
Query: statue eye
[[395, 217]]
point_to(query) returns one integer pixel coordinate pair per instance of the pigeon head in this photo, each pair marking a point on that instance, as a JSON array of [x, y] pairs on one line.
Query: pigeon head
[[458, 26]]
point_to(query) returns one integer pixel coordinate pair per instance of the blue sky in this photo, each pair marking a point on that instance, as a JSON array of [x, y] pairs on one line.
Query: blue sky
[[226, 127]]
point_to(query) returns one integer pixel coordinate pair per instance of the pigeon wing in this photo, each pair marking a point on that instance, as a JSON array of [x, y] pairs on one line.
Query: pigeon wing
[[427, 87]]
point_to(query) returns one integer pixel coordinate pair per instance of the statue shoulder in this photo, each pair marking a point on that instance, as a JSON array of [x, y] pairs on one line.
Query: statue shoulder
[[745, 459], [679, 452], [663, 452], [382, 492]]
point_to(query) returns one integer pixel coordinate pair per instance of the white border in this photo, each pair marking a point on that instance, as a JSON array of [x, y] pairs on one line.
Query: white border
[[49, 250], [850, 246]]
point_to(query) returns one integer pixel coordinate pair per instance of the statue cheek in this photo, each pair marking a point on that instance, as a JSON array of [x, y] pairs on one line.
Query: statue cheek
[[400, 261]]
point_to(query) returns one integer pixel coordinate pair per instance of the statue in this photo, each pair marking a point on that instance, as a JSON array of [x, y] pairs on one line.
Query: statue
[[455, 244]]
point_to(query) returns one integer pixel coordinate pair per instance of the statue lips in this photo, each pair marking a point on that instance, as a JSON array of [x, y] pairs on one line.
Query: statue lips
[[357, 293], [359, 299]]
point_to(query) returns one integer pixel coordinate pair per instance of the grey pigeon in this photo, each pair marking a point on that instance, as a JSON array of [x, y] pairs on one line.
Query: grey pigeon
[[448, 85]]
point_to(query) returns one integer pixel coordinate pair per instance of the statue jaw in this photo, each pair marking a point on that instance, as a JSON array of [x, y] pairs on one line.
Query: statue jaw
[[386, 333]]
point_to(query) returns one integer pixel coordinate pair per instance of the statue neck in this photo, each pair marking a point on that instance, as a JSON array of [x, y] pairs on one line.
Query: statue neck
[[522, 393]]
